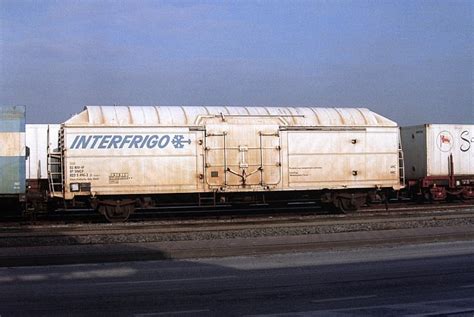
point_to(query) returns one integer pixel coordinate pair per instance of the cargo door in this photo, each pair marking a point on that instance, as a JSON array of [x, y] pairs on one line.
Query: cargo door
[[242, 156], [326, 158]]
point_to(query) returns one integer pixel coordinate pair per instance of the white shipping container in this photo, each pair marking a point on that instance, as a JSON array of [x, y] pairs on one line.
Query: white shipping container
[[38, 138], [427, 149]]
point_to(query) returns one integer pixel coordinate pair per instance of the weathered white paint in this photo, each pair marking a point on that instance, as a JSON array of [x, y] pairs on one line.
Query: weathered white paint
[[193, 116], [343, 159], [12, 143], [38, 139], [427, 149], [116, 149]]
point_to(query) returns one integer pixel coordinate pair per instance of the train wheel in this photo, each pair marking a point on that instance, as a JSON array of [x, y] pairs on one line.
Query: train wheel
[[347, 206], [116, 213], [350, 203]]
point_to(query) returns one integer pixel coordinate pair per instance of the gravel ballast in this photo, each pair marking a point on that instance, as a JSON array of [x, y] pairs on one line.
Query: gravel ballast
[[65, 238]]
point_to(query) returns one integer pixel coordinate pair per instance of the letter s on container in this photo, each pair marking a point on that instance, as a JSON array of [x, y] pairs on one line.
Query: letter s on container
[[466, 145]]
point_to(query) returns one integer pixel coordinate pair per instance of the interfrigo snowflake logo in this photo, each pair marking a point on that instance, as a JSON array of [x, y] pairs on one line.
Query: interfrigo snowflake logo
[[179, 140], [444, 141]]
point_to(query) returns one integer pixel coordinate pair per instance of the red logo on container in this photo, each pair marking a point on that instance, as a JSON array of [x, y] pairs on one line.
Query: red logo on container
[[445, 141]]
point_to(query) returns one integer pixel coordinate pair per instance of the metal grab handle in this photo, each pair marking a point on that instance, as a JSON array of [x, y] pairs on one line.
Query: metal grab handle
[[244, 175]]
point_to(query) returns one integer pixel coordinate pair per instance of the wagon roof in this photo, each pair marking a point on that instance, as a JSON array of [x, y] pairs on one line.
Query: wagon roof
[[194, 116]]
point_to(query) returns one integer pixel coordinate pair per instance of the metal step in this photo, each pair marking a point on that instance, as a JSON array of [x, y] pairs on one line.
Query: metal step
[[207, 199]]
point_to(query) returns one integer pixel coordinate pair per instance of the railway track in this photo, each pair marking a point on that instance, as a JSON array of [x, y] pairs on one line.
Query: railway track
[[172, 238], [195, 213], [245, 226]]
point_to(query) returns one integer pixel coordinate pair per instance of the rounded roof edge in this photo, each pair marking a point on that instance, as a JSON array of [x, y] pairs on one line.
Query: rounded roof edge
[[193, 115]]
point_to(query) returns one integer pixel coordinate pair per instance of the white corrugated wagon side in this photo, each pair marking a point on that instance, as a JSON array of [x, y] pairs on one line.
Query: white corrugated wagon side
[[119, 157], [439, 160], [40, 140]]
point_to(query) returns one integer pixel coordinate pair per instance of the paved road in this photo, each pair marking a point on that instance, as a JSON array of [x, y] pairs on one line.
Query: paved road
[[411, 280]]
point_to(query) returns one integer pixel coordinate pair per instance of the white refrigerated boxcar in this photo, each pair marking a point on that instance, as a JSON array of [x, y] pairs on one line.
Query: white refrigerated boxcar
[[118, 156], [439, 160]]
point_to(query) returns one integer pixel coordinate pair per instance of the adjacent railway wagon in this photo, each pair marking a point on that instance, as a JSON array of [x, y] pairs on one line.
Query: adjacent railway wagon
[[439, 160], [40, 140], [118, 158], [12, 154]]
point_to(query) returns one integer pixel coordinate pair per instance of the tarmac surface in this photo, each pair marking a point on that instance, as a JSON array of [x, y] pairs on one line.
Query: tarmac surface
[[411, 280]]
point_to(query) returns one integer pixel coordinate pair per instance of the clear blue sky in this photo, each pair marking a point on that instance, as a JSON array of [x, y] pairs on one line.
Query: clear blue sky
[[411, 61]]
